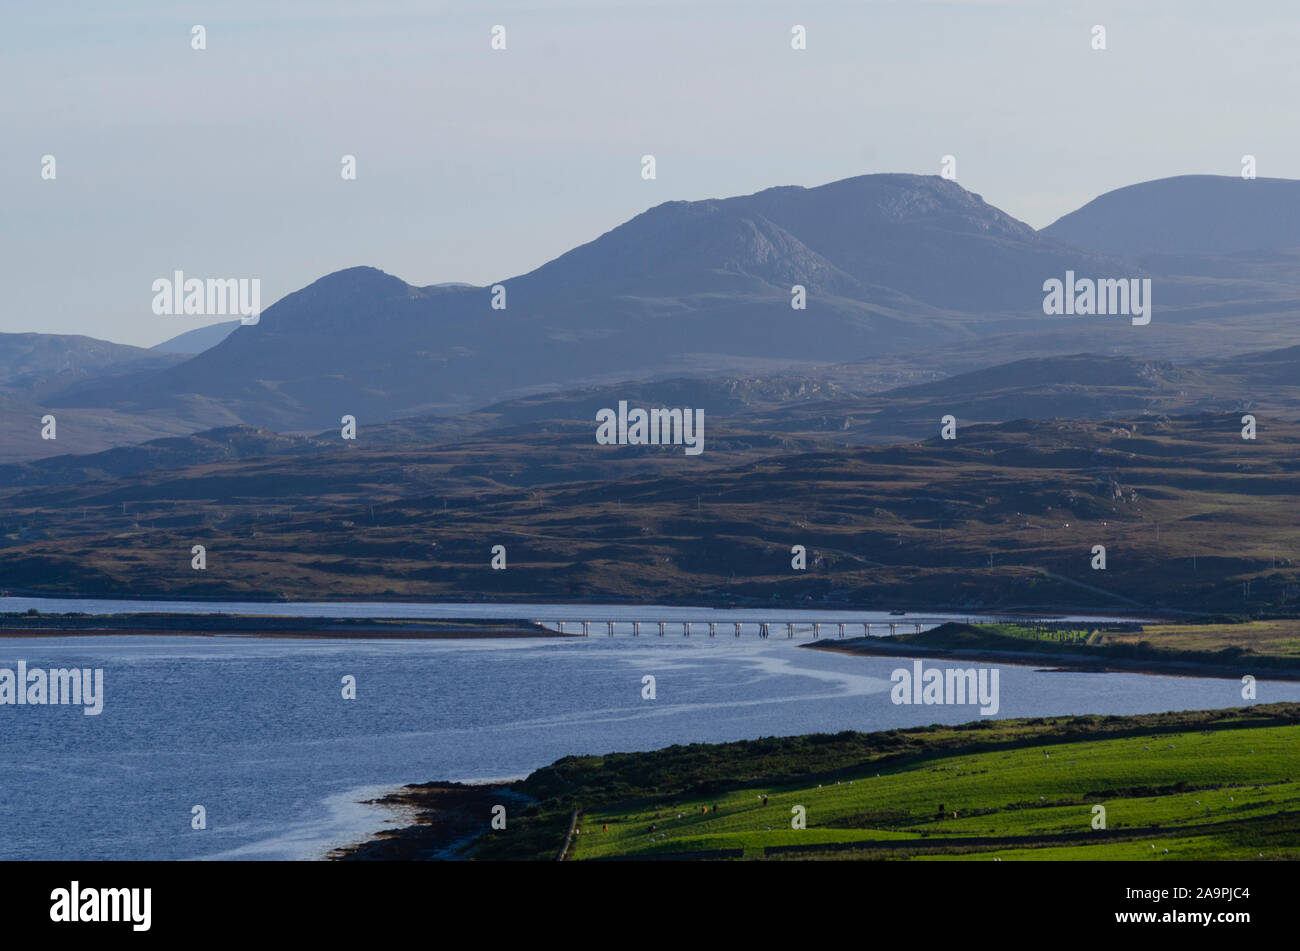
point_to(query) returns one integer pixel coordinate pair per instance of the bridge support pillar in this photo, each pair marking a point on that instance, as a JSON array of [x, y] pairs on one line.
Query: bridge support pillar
[[586, 628], [713, 628], [686, 628], [661, 628], [789, 629], [636, 628], [611, 628], [737, 628], [841, 629]]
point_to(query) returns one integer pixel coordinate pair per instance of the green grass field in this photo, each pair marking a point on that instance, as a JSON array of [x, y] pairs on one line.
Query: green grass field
[[1058, 635], [1220, 792], [1279, 637]]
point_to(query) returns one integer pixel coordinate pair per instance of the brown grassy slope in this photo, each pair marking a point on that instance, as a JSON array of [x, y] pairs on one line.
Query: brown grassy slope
[[1004, 516]]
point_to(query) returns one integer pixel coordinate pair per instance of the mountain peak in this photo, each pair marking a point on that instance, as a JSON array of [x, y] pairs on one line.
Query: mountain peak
[[362, 279]]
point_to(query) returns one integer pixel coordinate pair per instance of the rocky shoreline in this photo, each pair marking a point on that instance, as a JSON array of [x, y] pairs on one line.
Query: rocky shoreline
[[449, 817]]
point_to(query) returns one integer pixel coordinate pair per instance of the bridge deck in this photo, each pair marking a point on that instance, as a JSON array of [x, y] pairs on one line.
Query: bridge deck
[[611, 627]]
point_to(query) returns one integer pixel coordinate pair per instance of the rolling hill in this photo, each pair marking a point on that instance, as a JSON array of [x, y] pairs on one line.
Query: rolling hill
[[747, 416], [1188, 214], [34, 365]]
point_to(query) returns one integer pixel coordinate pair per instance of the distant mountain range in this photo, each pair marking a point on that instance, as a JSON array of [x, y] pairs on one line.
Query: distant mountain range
[[907, 277], [890, 263]]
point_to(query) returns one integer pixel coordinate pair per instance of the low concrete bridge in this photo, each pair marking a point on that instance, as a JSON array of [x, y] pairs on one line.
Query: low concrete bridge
[[762, 629]]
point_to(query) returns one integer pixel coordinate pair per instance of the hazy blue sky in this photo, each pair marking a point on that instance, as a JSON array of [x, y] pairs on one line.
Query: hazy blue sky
[[476, 165]]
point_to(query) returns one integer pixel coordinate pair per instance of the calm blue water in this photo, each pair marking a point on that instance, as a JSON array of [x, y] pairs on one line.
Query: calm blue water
[[256, 730]]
